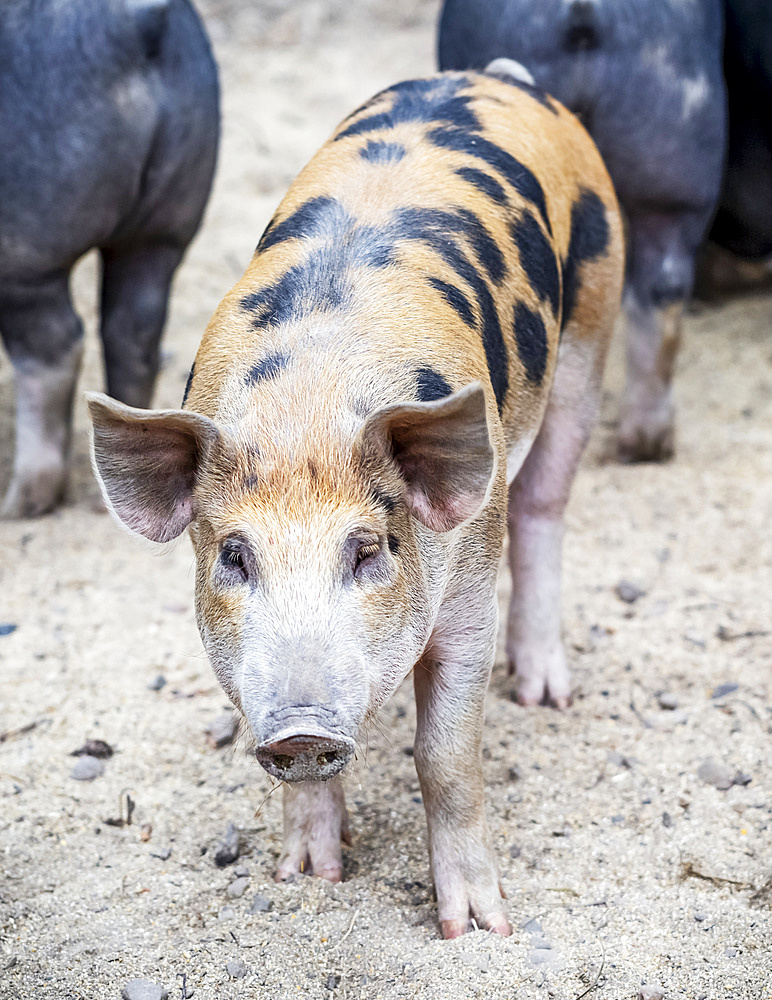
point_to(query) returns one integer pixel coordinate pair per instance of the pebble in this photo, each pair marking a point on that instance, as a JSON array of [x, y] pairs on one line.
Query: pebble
[[628, 592], [667, 820], [143, 989], [157, 683], [7, 629], [668, 701], [650, 993], [163, 855], [236, 969], [87, 768], [261, 904], [227, 913], [730, 952], [713, 773], [539, 956], [332, 982], [724, 689], [94, 748], [699, 917], [540, 943], [532, 926], [227, 850], [237, 888], [222, 730], [241, 871], [514, 851]]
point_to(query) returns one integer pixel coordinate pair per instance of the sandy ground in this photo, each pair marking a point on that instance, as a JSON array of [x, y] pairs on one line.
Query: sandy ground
[[621, 865]]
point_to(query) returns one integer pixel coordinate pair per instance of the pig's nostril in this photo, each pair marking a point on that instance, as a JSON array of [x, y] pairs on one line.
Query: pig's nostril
[[283, 761], [326, 758]]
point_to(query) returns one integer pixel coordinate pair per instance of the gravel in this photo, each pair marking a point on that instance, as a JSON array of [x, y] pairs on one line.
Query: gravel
[[227, 849], [87, 768], [143, 989]]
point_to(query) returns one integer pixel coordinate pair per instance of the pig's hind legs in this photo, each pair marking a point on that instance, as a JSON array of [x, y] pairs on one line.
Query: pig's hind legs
[[135, 292], [661, 261], [537, 501], [450, 683], [315, 823], [43, 337]]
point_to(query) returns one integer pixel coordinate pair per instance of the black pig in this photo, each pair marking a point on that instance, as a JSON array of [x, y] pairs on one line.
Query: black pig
[[109, 122]]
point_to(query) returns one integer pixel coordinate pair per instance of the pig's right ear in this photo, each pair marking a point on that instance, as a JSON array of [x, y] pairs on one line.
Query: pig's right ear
[[147, 463]]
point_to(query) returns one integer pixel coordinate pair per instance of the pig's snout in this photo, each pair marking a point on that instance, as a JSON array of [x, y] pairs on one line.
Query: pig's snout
[[305, 754]]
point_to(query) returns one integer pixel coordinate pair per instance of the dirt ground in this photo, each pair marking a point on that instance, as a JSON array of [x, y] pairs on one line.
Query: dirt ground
[[622, 865]]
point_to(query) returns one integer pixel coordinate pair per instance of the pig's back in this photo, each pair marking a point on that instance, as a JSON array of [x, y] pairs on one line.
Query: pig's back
[[430, 243]]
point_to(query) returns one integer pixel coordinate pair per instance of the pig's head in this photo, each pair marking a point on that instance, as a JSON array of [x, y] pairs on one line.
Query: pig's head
[[320, 563]]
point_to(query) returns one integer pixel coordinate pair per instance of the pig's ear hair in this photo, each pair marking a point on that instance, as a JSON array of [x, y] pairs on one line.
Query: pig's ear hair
[[443, 451], [147, 463]]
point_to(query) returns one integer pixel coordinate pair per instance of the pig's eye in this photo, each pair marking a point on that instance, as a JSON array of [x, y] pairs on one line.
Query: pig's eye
[[364, 555], [233, 560]]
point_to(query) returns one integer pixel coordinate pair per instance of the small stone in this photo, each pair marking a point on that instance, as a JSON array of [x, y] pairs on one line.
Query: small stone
[[667, 820], [618, 819], [742, 779], [515, 773], [514, 851], [143, 989], [227, 850], [87, 768], [261, 904], [94, 748], [7, 629], [730, 952], [628, 592], [163, 855], [222, 730], [723, 690], [539, 956], [718, 775], [236, 969], [241, 871], [668, 701], [650, 993], [332, 982], [532, 926], [227, 913], [615, 758], [540, 943], [700, 917], [237, 888], [157, 683]]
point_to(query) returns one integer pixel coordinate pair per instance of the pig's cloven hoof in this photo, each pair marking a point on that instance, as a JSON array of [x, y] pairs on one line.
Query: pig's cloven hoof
[[495, 923], [541, 677], [646, 438]]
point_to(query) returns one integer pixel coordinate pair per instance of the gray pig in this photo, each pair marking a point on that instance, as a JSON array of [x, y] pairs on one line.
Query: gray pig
[[400, 349], [109, 122], [645, 78]]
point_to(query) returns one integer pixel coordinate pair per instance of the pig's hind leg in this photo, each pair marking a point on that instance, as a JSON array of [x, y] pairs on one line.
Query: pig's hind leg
[[43, 337], [315, 823], [136, 281], [537, 501], [662, 251]]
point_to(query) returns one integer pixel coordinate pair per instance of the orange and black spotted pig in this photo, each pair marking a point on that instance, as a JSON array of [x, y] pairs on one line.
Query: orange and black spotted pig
[[412, 360]]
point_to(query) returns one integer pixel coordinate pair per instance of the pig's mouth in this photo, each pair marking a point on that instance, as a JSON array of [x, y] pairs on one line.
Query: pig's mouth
[[307, 754]]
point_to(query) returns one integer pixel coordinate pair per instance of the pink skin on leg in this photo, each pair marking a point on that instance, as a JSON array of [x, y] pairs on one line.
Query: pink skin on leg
[[450, 693], [315, 823], [537, 501]]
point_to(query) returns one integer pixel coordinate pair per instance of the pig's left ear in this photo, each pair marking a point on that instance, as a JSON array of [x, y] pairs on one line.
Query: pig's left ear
[[444, 452], [147, 463]]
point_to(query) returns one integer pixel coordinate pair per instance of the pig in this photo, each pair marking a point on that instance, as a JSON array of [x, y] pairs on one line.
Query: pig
[[645, 78], [743, 224], [411, 361], [109, 113]]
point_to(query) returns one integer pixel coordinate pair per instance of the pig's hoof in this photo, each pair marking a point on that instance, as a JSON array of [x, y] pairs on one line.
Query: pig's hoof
[[542, 676], [646, 439], [289, 871], [33, 495], [495, 923]]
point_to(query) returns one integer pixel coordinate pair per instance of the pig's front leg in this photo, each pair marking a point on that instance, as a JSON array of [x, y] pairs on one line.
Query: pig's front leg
[[315, 823], [450, 692]]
